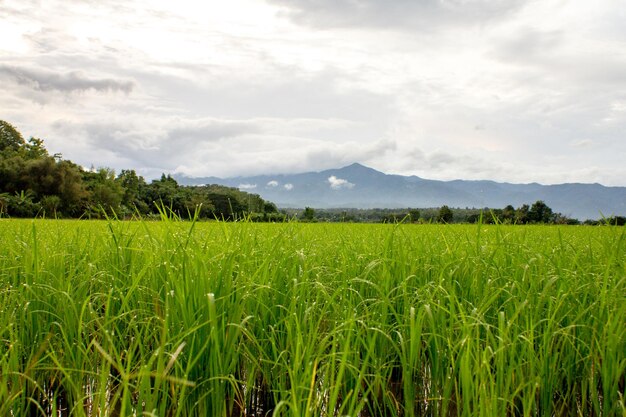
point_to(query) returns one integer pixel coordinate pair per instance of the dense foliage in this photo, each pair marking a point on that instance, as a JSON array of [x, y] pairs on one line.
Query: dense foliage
[[231, 319], [34, 183], [538, 213]]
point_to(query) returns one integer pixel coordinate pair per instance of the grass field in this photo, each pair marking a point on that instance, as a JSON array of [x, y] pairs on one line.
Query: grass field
[[231, 319]]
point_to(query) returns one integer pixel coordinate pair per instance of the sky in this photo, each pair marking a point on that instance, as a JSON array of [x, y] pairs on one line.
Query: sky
[[507, 90]]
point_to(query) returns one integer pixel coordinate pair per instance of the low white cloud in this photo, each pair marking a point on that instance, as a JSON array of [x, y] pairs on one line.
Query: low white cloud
[[339, 183], [288, 186], [272, 184], [247, 186]]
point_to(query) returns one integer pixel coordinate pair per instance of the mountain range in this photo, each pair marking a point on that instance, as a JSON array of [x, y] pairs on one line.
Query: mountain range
[[358, 186]]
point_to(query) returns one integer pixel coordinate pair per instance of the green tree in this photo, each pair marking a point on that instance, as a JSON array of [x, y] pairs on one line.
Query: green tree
[[167, 194], [22, 205], [616, 220], [508, 214], [35, 149], [40, 176], [269, 207], [226, 204], [445, 215], [12, 174], [70, 188], [308, 214], [540, 213], [135, 192], [11, 141], [27, 169], [104, 193], [197, 202], [51, 205], [521, 214]]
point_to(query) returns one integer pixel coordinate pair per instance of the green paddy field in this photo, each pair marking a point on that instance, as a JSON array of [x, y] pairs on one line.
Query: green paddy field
[[169, 318]]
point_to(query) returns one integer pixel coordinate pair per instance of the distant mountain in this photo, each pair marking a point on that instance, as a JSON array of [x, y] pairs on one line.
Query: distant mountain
[[357, 186]]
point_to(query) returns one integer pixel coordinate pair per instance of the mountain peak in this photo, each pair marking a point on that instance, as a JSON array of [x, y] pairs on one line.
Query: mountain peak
[[356, 167]]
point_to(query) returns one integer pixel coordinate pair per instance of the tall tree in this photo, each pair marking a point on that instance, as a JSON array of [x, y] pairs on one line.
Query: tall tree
[[445, 215], [508, 214], [166, 191], [70, 188], [35, 149], [308, 214], [12, 177], [540, 213], [521, 214], [104, 193], [11, 141], [135, 191]]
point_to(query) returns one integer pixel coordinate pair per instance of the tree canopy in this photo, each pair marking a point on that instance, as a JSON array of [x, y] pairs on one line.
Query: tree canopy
[[11, 141], [445, 214]]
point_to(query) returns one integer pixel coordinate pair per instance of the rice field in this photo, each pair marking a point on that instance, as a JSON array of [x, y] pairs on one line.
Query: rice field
[[112, 318]]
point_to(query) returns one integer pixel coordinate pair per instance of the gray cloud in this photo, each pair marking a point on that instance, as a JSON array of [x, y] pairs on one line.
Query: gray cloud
[[44, 80], [529, 44], [440, 161], [198, 131], [416, 15], [158, 144], [547, 58]]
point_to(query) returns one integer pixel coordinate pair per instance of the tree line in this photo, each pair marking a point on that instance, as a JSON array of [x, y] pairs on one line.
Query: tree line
[[34, 183], [536, 213]]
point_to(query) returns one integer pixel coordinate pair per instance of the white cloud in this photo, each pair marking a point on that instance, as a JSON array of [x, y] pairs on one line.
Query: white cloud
[[339, 183], [288, 186], [247, 187], [272, 184]]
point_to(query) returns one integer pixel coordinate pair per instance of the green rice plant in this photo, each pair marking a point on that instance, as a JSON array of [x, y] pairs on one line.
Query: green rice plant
[[184, 318]]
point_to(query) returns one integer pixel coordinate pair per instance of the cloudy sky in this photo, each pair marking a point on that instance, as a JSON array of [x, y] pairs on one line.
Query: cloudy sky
[[509, 90]]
